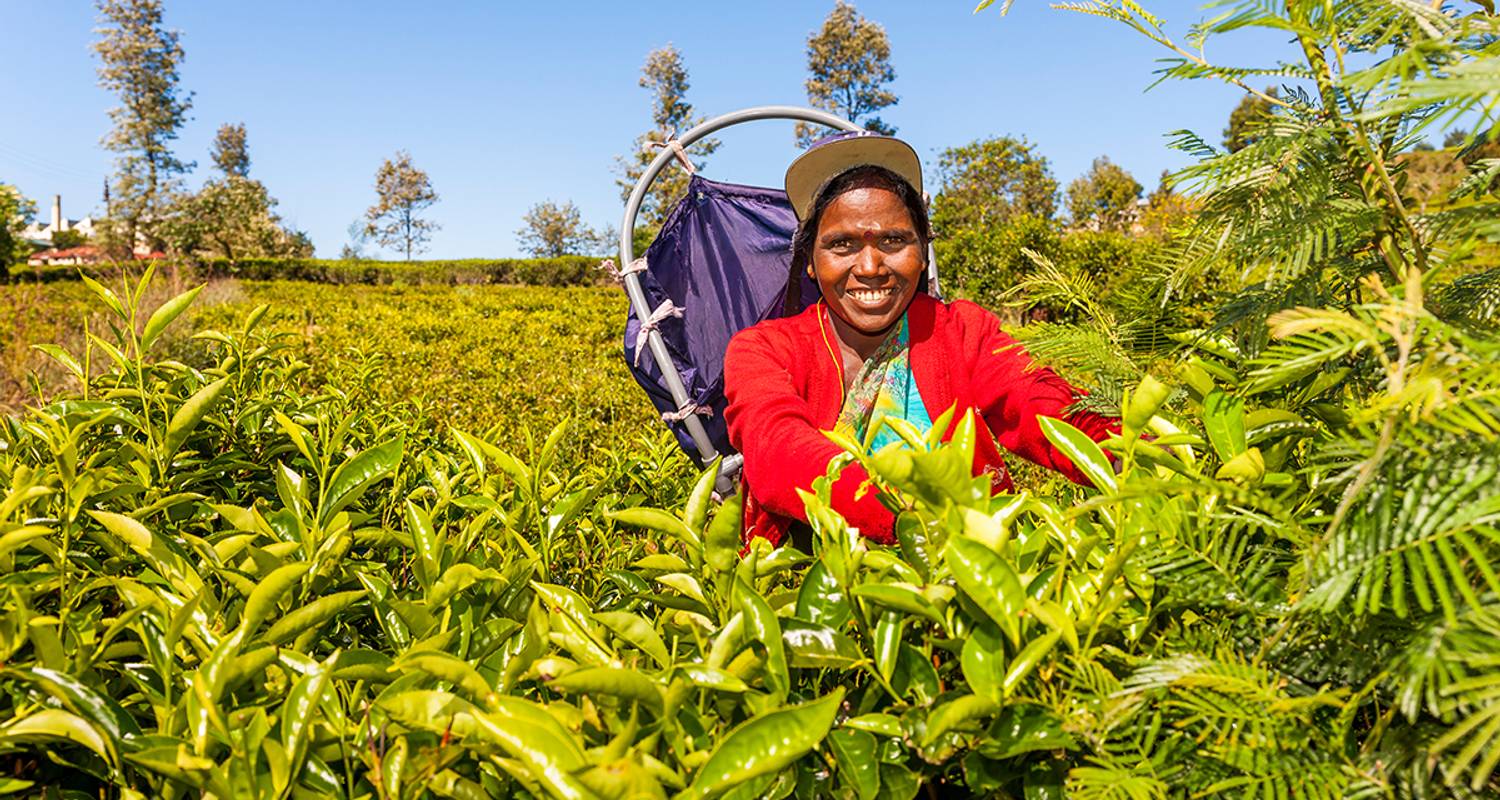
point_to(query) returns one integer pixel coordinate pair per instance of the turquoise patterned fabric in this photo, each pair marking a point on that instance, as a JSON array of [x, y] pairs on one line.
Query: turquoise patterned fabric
[[884, 388]]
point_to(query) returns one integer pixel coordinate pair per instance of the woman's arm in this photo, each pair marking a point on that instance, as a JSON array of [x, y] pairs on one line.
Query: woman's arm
[[776, 430], [1011, 393]]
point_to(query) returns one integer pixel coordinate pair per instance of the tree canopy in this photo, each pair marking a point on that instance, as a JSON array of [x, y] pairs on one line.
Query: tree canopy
[[16, 212], [232, 216], [666, 78], [1104, 197], [849, 67], [230, 153], [556, 229], [402, 193], [139, 60], [990, 181]]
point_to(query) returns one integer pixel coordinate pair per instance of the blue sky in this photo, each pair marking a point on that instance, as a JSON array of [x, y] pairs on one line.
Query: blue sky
[[506, 104]]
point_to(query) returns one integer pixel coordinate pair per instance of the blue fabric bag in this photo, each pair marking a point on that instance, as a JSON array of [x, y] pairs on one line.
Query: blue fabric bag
[[722, 258]]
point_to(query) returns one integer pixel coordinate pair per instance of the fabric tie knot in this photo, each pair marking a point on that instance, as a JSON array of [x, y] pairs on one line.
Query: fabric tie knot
[[686, 411], [662, 312]]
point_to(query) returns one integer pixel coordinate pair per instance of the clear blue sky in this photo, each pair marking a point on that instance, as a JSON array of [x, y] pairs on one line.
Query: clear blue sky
[[505, 104]]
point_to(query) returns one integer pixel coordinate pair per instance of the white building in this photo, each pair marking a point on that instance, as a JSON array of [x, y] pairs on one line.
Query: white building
[[37, 233]]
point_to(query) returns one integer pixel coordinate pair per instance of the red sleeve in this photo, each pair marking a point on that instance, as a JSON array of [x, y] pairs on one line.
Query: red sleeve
[[1011, 394], [775, 428]]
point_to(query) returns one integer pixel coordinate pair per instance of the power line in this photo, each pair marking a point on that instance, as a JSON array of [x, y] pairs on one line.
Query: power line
[[44, 165]]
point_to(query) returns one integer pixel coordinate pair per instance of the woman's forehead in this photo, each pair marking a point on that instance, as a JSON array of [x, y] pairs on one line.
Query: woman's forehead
[[866, 206]]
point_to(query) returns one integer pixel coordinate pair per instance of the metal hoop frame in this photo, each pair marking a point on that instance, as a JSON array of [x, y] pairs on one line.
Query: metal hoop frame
[[706, 450]]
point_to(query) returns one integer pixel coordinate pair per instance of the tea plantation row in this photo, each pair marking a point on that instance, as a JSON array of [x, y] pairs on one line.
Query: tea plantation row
[[230, 575]]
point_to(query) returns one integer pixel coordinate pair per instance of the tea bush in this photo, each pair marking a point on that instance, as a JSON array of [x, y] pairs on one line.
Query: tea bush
[[498, 360], [501, 361], [219, 583]]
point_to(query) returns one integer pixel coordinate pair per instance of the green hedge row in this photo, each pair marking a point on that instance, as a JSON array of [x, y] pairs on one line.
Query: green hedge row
[[561, 271]]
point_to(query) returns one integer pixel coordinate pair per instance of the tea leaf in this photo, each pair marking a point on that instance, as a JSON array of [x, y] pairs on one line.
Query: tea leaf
[[164, 316], [764, 745], [355, 476], [189, 414], [989, 581], [312, 615], [52, 723]]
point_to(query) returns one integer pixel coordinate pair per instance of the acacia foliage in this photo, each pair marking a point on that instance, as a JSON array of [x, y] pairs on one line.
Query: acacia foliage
[[1249, 114]]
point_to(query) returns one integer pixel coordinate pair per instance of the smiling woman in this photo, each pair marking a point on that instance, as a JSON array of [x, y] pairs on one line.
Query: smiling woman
[[875, 346]]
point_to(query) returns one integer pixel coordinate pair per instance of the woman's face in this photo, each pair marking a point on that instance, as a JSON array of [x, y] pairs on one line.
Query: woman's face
[[867, 258]]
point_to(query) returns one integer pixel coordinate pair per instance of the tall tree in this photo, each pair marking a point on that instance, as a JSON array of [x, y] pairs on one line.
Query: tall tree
[[232, 216], [1246, 119], [230, 153], [556, 229], [359, 236], [989, 182], [849, 65], [666, 78], [403, 192], [139, 59], [16, 212], [1104, 197]]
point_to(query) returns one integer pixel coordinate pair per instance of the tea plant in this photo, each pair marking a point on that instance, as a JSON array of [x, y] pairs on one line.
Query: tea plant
[[219, 584], [486, 359]]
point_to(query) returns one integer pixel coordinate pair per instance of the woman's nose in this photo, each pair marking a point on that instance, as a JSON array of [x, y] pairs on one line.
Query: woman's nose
[[867, 261]]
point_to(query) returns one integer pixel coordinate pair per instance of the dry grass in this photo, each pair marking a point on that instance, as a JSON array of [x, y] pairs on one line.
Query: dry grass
[[63, 313]]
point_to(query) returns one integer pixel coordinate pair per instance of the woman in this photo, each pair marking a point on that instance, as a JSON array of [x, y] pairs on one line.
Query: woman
[[875, 344]]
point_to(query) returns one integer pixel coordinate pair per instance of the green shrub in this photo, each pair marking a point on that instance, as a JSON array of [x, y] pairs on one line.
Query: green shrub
[[1104, 256], [561, 271], [985, 264]]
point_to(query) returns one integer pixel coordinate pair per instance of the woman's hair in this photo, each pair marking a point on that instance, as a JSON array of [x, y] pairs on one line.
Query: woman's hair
[[865, 176]]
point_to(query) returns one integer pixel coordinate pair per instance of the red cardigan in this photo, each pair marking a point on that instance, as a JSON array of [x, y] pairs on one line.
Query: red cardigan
[[783, 389]]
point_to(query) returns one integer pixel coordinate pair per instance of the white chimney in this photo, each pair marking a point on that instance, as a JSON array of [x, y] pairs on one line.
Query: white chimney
[[57, 217]]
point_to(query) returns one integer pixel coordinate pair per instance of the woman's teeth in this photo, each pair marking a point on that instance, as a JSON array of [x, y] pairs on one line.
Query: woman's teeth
[[870, 295]]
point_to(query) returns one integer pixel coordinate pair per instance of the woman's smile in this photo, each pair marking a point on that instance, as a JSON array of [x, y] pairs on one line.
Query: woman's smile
[[872, 298]]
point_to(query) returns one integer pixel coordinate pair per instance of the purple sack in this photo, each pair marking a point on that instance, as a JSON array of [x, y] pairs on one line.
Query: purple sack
[[722, 257]]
